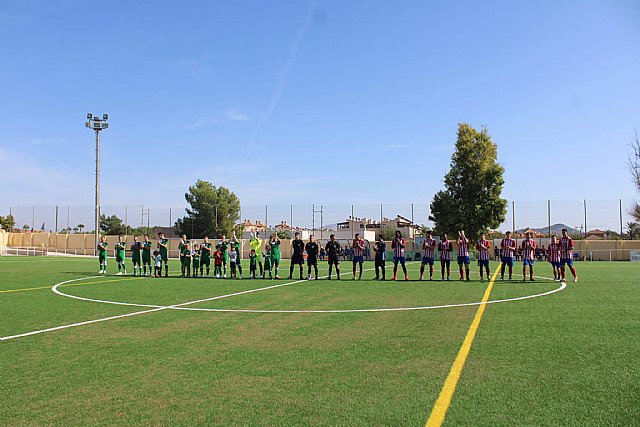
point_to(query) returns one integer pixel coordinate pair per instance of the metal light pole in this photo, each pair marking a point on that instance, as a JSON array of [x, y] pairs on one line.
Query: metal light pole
[[96, 124]]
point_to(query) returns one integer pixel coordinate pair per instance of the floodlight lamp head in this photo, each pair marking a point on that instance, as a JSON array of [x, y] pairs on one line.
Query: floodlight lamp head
[[105, 117], [89, 116]]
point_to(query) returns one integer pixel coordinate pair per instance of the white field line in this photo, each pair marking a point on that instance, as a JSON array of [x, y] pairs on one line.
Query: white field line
[[154, 309]]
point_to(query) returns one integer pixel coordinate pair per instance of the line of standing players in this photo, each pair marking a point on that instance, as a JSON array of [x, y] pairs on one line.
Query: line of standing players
[[560, 255]]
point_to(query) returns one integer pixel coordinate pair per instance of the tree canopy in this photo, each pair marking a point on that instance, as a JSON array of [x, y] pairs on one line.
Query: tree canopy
[[213, 211], [634, 167], [471, 199]]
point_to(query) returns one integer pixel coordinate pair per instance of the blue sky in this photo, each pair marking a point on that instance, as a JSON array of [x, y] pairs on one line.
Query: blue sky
[[327, 102]]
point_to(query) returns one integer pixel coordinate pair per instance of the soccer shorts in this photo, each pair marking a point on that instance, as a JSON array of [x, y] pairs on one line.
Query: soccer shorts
[[312, 260], [446, 262], [483, 263], [568, 261], [528, 262], [379, 262], [333, 259], [463, 260], [196, 264], [555, 264], [164, 257], [508, 261], [426, 260], [297, 259], [135, 260], [146, 259], [102, 258], [185, 261], [398, 259], [205, 261], [358, 258], [119, 259]]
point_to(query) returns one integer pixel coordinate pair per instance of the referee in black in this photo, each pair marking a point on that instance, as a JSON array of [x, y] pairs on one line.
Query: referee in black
[[312, 249], [297, 258], [333, 249], [380, 249]]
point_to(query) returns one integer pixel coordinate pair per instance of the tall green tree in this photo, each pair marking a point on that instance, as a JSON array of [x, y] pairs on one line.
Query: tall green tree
[[471, 199], [213, 211], [7, 222]]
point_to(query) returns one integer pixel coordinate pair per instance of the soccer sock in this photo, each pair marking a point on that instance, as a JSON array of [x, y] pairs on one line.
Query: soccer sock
[[290, 270], [166, 269], [573, 271], [330, 268], [301, 271], [383, 272], [240, 269], [431, 271], [315, 267], [448, 271], [337, 272], [404, 268], [360, 275], [261, 270]]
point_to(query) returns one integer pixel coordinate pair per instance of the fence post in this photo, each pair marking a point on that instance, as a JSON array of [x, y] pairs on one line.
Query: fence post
[[351, 222], [513, 215], [585, 218], [549, 216], [33, 217]]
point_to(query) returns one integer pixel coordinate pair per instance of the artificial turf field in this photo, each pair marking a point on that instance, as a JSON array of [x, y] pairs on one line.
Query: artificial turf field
[[568, 358]]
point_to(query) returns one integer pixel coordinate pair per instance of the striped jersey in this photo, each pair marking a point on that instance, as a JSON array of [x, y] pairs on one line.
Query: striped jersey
[[463, 246], [445, 247], [508, 247], [528, 250], [553, 252], [398, 247], [358, 247], [429, 248], [482, 246], [566, 248]]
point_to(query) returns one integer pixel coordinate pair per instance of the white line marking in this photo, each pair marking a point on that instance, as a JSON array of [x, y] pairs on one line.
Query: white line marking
[[362, 310], [155, 307]]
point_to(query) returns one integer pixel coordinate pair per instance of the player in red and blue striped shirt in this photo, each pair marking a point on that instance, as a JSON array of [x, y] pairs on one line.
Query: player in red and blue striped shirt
[[528, 256], [445, 247], [463, 254], [566, 255], [358, 254], [482, 246], [508, 246], [553, 255], [428, 252], [398, 254]]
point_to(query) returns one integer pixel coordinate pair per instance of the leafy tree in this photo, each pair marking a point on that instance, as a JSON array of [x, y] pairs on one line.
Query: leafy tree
[[80, 227], [423, 230], [634, 230], [111, 225], [26, 227], [7, 222], [471, 199], [214, 211], [634, 167]]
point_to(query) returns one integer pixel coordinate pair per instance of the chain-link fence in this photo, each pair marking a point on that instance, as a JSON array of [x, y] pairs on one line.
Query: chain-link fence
[[582, 216]]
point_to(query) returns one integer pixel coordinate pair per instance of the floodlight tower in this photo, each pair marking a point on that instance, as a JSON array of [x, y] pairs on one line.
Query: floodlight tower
[[96, 124]]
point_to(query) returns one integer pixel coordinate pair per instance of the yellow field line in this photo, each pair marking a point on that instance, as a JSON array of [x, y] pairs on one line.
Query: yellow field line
[[441, 406], [70, 284]]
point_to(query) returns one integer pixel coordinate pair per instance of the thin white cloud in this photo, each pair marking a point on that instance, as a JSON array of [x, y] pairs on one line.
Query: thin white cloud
[[234, 115]]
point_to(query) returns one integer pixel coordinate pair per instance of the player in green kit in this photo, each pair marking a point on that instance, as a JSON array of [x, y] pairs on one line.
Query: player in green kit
[[237, 246], [185, 253], [195, 259], [146, 255], [205, 255], [274, 242], [224, 246], [183, 244], [136, 247], [163, 247], [119, 253], [102, 254]]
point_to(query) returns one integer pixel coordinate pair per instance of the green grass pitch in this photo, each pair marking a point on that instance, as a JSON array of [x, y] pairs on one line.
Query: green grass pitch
[[569, 358]]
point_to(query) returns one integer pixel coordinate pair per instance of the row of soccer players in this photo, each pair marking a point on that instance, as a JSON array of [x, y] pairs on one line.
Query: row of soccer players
[[559, 255]]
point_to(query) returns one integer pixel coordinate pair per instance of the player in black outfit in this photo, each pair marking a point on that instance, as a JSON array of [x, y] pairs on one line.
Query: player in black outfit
[[380, 249], [297, 258], [312, 249], [333, 249]]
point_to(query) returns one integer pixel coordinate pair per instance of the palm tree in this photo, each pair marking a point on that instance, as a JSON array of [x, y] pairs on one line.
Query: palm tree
[[634, 229], [80, 227]]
